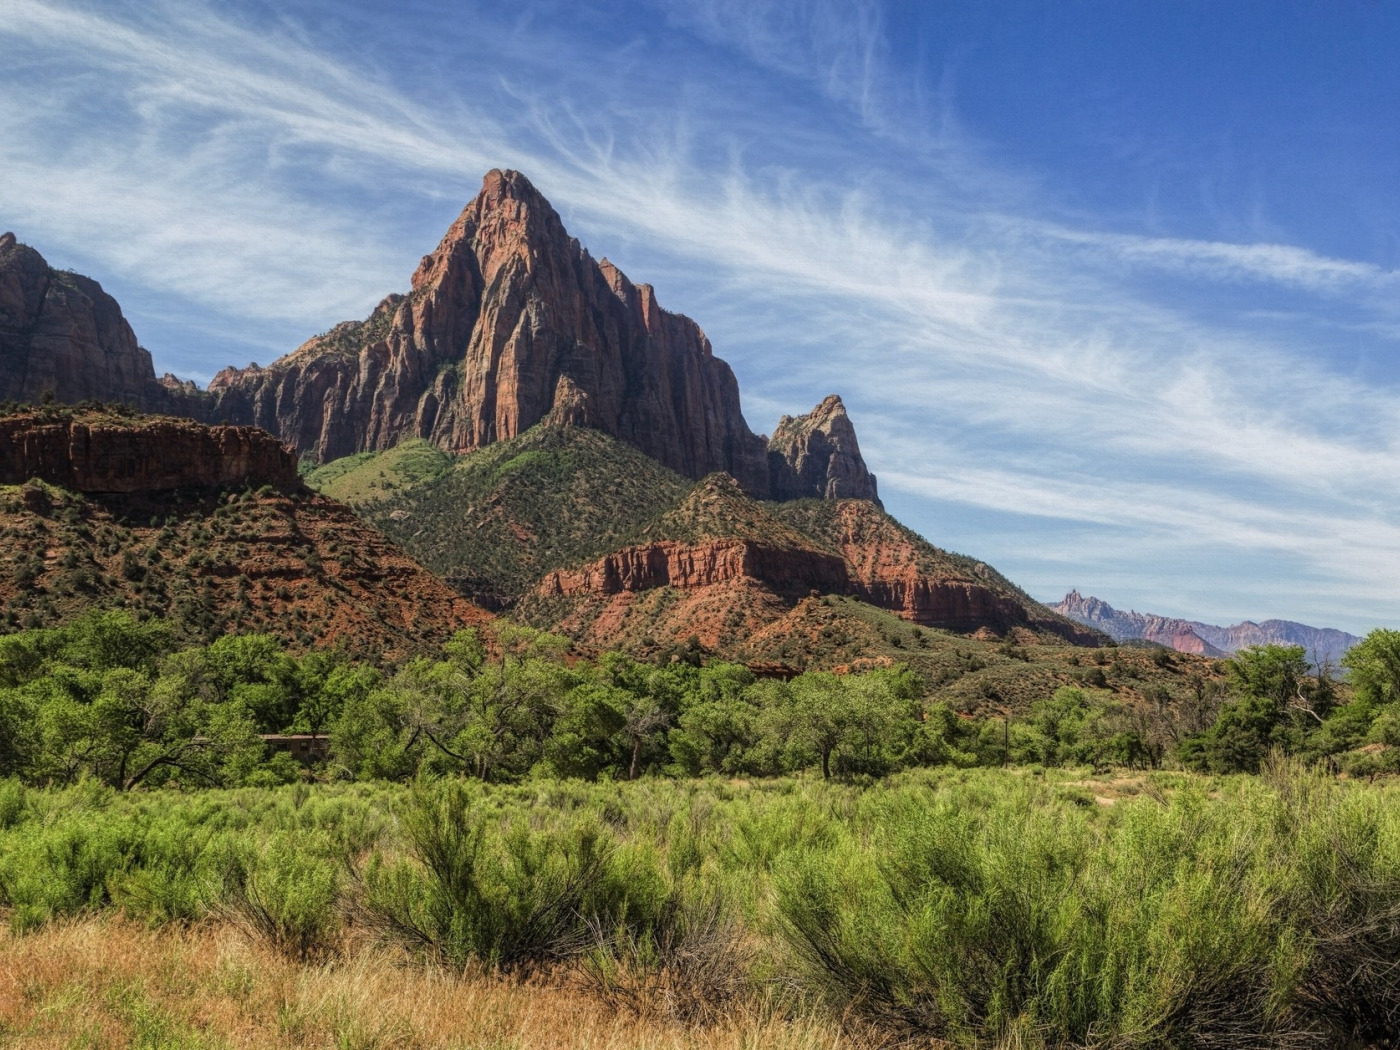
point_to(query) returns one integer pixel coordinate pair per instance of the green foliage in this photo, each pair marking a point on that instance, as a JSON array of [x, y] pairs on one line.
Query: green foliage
[[1075, 728], [977, 907], [494, 889], [1270, 711], [970, 917], [112, 698], [286, 889], [371, 476]]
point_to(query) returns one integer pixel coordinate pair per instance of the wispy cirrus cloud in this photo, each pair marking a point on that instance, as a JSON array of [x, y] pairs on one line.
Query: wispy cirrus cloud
[[1284, 264]]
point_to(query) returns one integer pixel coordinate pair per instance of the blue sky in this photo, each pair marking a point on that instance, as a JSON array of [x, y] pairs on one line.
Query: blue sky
[[1110, 289]]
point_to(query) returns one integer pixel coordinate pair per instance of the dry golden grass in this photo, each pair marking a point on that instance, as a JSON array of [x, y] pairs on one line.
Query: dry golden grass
[[109, 983]]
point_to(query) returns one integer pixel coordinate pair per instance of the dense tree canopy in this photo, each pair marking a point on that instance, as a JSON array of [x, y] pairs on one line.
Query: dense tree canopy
[[111, 698]]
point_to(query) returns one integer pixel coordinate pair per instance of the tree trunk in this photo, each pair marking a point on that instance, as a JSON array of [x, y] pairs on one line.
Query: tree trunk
[[636, 758]]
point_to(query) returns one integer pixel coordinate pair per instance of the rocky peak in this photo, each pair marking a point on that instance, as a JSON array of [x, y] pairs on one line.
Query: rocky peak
[[509, 322], [817, 455], [571, 406], [60, 333]]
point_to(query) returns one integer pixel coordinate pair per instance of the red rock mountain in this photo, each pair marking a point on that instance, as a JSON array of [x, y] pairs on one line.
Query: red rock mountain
[[60, 333], [817, 455], [508, 322]]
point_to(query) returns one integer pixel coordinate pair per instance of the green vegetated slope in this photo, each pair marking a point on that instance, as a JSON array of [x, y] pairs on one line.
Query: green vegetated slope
[[371, 476], [718, 509], [300, 565], [973, 675], [494, 521]]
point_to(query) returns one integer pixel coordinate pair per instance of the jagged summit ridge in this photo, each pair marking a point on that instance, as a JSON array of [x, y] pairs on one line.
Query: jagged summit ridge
[[508, 315], [509, 322], [817, 455], [1193, 636]]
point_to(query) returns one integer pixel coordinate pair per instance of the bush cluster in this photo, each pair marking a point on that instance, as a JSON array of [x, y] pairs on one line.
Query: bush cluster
[[975, 908]]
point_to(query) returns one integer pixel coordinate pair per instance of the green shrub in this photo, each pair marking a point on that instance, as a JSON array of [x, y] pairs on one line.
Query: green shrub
[[286, 892], [12, 802], [1185, 924], [490, 887]]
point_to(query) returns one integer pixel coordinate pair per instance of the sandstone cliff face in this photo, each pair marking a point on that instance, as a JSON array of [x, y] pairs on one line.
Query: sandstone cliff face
[[113, 455], [61, 333], [691, 566], [508, 322], [816, 456], [890, 568]]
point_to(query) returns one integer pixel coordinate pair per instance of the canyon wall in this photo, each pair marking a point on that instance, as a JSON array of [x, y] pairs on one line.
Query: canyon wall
[[97, 454]]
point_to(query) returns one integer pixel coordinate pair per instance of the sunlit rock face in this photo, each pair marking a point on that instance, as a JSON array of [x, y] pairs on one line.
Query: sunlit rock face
[[508, 323]]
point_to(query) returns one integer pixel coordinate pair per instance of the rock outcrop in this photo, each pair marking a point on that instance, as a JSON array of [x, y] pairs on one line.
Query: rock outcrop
[[895, 569], [61, 334], [690, 566], [100, 453], [817, 456], [719, 542], [509, 322]]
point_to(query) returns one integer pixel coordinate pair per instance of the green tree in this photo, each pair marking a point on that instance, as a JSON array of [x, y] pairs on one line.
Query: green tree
[[1270, 705]]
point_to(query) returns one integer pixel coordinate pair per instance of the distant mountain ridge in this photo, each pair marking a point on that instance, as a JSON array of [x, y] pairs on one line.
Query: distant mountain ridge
[[1204, 639]]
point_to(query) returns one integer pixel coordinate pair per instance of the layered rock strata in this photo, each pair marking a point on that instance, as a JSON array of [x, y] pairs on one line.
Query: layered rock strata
[[112, 455], [894, 569], [690, 566]]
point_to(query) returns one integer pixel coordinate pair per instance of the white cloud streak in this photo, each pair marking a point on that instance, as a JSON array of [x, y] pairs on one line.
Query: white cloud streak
[[1282, 264]]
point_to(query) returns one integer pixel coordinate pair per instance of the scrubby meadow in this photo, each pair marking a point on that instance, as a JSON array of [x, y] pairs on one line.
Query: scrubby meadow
[[505, 846], [977, 907]]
